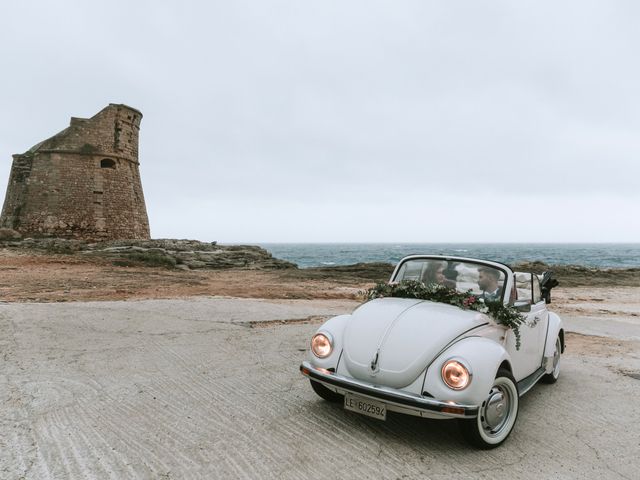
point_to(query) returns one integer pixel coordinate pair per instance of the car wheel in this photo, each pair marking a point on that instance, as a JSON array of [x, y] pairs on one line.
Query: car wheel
[[324, 392], [496, 416], [555, 373]]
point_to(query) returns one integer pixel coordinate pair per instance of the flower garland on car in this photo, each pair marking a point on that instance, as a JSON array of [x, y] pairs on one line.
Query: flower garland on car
[[434, 292]]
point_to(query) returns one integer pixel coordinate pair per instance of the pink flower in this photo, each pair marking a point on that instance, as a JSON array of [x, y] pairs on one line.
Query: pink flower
[[469, 301]]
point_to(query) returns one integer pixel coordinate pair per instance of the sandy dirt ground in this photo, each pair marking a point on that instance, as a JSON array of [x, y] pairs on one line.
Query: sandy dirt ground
[[62, 278], [208, 387]]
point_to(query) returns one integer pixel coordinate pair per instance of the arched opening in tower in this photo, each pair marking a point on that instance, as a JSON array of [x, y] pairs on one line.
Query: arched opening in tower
[[107, 163]]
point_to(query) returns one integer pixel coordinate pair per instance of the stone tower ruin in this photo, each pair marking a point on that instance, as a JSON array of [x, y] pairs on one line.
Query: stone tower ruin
[[82, 183]]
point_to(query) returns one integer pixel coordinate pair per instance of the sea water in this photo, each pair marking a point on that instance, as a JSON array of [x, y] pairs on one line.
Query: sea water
[[603, 255]]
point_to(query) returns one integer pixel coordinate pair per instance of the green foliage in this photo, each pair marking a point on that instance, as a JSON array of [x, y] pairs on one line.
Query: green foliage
[[58, 246], [63, 249], [502, 314], [149, 259]]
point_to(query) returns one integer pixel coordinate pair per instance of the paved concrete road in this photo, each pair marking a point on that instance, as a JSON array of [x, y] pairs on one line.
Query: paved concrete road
[[194, 389]]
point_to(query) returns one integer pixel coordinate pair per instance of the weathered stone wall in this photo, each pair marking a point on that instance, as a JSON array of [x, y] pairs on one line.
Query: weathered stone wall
[[82, 183]]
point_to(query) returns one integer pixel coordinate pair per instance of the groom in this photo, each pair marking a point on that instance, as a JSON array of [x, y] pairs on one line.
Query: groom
[[488, 283]]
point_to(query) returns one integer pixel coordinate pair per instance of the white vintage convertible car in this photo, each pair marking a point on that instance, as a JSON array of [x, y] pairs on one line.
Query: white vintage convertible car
[[446, 356]]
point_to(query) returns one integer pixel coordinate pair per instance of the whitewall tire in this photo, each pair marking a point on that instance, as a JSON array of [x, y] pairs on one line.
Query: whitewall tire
[[497, 414], [555, 373]]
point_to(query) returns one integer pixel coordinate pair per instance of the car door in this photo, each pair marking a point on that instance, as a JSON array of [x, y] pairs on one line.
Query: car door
[[528, 358], [539, 315]]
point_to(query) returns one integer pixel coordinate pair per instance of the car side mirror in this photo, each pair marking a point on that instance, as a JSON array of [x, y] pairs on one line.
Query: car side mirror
[[522, 305]]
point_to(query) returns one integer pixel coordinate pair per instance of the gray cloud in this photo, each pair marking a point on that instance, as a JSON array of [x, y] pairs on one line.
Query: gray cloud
[[263, 116]]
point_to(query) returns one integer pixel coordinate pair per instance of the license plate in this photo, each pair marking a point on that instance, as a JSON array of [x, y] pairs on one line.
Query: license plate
[[371, 408]]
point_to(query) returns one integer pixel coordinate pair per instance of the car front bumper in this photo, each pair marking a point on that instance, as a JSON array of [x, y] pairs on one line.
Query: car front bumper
[[394, 399]]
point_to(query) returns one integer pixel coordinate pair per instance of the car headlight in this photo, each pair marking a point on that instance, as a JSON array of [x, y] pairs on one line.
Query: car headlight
[[456, 374], [321, 345]]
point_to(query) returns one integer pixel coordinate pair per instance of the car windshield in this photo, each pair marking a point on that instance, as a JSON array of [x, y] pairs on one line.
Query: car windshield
[[483, 280]]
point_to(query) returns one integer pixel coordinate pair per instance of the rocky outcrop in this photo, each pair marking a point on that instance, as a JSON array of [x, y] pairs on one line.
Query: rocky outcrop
[[184, 254]]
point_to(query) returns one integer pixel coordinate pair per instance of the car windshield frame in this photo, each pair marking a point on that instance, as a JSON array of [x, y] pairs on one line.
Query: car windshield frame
[[504, 269]]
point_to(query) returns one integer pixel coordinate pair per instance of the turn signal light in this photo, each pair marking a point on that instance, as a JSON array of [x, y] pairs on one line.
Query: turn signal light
[[455, 410]]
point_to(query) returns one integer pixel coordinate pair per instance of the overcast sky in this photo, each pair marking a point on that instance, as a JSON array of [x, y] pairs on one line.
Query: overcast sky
[[330, 121]]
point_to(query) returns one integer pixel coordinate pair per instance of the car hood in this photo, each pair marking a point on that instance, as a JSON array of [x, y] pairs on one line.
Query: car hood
[[390, 341]]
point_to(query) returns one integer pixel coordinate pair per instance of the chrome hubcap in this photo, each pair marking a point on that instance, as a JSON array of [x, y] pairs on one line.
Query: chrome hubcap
[[499, 411], [496, 409]]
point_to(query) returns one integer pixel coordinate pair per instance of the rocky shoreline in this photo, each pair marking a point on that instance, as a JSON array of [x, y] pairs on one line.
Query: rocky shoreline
[[567, 275], [584, 276], [196, 255], [172, 253]]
